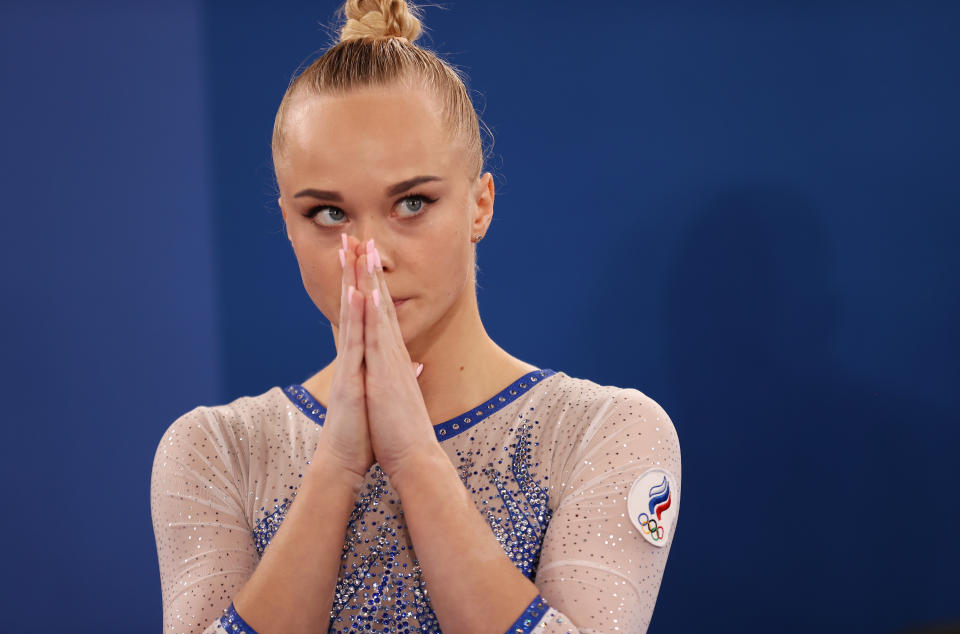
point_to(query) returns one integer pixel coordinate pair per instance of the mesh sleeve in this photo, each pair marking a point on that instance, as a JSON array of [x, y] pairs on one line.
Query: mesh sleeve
[[598, 572], [205, 545]]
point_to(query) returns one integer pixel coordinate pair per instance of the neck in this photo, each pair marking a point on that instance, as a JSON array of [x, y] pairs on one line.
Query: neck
[[462, 365], [460, 360]]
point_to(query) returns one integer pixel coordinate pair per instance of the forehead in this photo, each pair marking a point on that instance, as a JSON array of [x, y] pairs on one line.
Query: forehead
[[382, 133]]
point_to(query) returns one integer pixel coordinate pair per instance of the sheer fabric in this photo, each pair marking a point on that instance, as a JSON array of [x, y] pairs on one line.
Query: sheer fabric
[[550, 461]]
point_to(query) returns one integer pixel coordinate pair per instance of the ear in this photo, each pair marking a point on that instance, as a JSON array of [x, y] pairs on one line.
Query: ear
[[483, 195]]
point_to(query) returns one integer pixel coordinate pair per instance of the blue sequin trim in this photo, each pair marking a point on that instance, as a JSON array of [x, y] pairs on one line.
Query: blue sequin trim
[[231, 622], [530, 617], [310, 406], [306, 403]]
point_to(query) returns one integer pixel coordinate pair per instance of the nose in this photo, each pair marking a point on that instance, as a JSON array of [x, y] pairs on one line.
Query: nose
[[367, 241], [364, 235]]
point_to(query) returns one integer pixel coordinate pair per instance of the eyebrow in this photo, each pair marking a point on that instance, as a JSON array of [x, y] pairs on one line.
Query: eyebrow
[[391, 190]]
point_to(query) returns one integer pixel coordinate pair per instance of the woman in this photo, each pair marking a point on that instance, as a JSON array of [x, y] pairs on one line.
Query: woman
[[425, 479]]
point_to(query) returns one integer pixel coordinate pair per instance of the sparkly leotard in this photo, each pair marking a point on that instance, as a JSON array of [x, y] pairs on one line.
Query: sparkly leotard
[[549, 461]]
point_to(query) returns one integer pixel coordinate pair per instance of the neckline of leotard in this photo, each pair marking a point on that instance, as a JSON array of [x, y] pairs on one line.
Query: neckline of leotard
[[315, 410]]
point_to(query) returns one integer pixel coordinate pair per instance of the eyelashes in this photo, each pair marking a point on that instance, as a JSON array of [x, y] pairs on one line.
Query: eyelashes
[[322, 209]]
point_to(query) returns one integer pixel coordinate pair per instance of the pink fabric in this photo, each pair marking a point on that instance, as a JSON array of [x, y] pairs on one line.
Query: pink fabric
[[220, 471]]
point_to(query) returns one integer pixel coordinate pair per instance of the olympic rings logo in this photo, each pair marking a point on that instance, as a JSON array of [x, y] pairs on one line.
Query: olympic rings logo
[[649, 526]]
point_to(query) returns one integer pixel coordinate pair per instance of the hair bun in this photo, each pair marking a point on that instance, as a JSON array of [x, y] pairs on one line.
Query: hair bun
[[380, 19]]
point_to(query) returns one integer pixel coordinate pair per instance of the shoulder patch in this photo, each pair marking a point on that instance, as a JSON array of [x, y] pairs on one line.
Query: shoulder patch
[[650, 504]]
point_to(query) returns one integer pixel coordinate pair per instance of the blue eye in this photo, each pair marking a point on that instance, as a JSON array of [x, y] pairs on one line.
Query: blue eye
[[417, 198], [316, 210], [335, 213]]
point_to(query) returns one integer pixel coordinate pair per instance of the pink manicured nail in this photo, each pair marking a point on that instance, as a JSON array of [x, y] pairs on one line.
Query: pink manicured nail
[[419, 369], [343, 260], [376, 297], [350, 294], [346, 245], [370, 263], [376, 258]]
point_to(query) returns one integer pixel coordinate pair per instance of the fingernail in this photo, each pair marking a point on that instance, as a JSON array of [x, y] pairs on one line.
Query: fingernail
[[343, 260], [350, 294], [376, 257], [343, 237], [419, 369], [369, 263], [376, 297]]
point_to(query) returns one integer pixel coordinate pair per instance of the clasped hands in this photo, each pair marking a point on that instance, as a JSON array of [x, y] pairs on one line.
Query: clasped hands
[[376, 411]]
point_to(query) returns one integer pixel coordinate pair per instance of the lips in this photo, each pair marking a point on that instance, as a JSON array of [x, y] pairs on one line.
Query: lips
[[398, 301]]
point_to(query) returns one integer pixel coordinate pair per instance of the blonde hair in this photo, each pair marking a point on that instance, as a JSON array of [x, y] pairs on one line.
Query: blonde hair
[[376, 49]]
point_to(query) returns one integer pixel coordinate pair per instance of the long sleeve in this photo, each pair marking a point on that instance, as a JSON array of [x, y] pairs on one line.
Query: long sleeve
[[204, 544], [601, 564], [598, 467]]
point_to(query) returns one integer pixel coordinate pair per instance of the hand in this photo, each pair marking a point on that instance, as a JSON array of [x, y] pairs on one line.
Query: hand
[[400, 426], [345, 439]]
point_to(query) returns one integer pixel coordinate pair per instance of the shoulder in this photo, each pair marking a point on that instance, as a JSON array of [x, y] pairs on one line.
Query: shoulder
[[223, 426], [620, 425], [610, 406]]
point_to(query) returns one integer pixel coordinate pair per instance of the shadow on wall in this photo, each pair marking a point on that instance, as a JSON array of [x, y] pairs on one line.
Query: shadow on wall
[[818, 469]]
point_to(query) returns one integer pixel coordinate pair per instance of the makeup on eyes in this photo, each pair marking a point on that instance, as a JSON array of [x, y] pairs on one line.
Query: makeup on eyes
[[425, 202]]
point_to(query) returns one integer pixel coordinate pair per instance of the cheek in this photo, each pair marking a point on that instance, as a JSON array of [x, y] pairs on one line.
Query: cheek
[[322, 275], [448, 265]]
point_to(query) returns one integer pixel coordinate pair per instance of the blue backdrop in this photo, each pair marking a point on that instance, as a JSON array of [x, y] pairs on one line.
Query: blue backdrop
[[747, 211]]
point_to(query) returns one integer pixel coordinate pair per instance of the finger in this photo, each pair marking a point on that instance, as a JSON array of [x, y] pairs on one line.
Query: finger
[[351, 335], [373, 304], [363, 278], [343, 259], [342, 320], [390, 311], [351, 258], [353, 352], [380, 325]]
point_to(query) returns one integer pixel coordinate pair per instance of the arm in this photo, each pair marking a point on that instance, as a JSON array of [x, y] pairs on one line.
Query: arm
[[292, 589], [205, 545], [474, 586], [204, 542], [615, 574], [612, 579]]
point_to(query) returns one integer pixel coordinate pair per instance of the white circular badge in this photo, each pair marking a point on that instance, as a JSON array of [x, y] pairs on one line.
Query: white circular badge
[[652, 504]]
